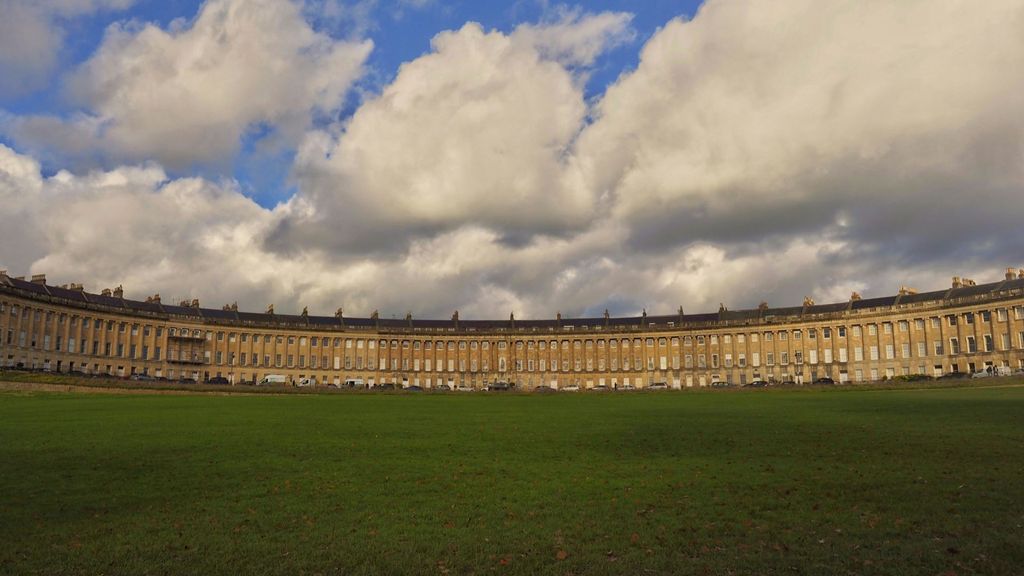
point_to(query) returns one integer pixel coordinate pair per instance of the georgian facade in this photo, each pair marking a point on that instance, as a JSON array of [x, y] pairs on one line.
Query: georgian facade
[[964, 328]]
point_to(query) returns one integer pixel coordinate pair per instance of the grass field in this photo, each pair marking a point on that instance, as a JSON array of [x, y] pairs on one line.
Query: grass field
[[761, 482]]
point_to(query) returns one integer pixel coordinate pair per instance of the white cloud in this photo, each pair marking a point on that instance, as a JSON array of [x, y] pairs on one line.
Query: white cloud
[[478, 131], [758, 152], [575, 38], [31, 38], [757, 119], [187, 95]]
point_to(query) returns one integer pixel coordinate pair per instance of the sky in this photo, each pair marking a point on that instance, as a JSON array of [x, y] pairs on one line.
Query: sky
[[518, 156]]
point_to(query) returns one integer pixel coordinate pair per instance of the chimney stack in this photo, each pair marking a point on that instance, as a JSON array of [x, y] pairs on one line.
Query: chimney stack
[[854, 296], [39, 279], [105, 292], [119, 292], [907, 291], [1020, 274], [1010, 274], [956, 282]]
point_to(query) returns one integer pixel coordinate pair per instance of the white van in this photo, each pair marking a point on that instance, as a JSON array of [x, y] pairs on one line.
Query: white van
[[305, 382], [354, 383], [272, 380]]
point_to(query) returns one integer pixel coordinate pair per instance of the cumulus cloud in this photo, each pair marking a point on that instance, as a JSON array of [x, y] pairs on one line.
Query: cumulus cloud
[[888, 125], [31, 37], [575, 38], [478, 131], [185, 96], [757, 152]]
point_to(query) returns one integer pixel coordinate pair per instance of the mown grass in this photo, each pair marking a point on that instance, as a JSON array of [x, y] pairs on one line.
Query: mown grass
[[783, 482]]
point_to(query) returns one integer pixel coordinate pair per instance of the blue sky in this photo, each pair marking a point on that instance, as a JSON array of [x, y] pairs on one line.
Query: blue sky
[[260, 151], [401, 31]]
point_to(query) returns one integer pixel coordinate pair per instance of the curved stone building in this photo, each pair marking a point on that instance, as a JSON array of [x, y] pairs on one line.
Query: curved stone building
[[967, 327]]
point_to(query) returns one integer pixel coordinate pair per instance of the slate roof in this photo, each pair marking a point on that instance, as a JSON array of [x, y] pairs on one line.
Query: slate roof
[[883, 302], [923, 297], [323, 322]]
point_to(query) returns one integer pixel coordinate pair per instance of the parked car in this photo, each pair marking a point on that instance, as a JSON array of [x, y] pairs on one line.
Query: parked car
[[721, 384], [464, 388], [981, 374], [413, 388], [825, 381], [788, 383], [600, 388], [272, 379], [571, 388], [443, 388], [658, 386], [218, 380], [627, 387], [757, 384], [499, 387], [306, 382], [388, 386], [543, 388], [141, 377]]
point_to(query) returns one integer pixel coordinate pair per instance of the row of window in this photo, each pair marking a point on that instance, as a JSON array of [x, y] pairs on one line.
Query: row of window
[[1000, 314]]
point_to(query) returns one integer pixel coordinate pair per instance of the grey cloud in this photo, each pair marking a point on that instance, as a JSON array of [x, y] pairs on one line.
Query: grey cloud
[[745, 159]]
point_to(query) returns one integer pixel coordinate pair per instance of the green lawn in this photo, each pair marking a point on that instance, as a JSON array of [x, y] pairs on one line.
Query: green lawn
[[760, 482]]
